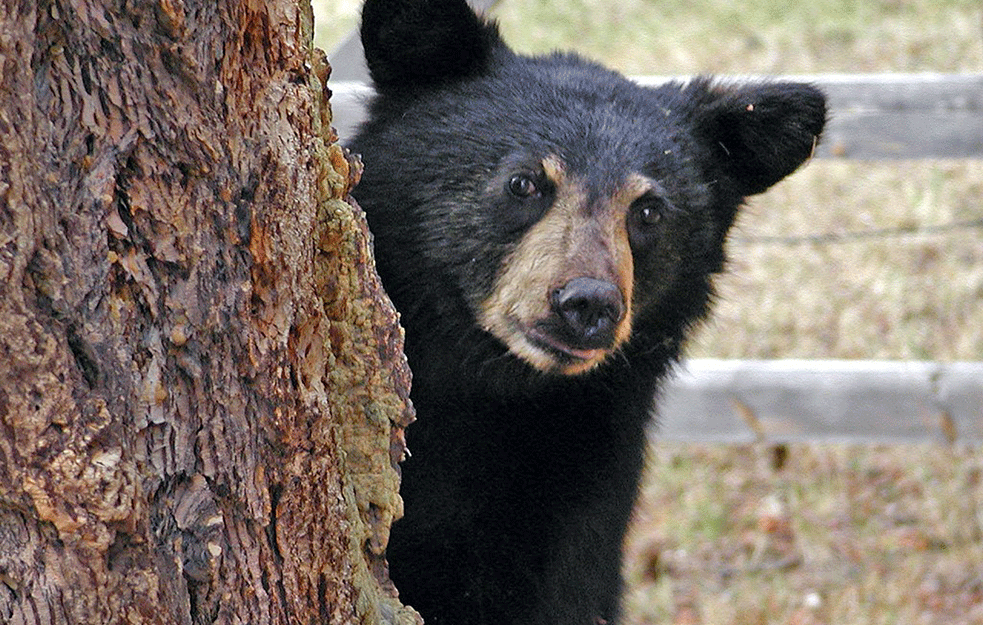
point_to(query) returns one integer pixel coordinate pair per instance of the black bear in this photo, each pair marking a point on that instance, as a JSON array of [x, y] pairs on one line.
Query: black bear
[[549, 231]]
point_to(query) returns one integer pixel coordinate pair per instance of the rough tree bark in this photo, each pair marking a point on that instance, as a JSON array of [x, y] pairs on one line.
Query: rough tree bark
[[202, 390]]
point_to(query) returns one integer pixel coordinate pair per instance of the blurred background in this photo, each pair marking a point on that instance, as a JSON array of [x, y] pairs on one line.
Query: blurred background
[[846, 259]]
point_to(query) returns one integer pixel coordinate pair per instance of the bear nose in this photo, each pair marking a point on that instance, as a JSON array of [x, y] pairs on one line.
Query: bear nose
[[590, 310]]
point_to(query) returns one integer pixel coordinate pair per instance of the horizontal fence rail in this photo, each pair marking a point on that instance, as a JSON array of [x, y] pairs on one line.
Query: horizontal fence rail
[[901, 116], [858, 401], [872, 116]]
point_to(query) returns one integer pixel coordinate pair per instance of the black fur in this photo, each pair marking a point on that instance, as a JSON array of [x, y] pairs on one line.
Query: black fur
[[521, 482]]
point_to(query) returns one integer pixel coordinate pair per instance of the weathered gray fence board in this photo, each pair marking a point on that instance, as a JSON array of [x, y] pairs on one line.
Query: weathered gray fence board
[[877, 116], [348, 102], [904, 116], [823, 400]]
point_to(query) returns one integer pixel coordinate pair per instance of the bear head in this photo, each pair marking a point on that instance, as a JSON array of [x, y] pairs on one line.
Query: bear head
[[556, 207]]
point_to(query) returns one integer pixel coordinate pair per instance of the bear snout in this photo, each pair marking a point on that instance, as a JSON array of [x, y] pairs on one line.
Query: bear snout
[[588, 312]]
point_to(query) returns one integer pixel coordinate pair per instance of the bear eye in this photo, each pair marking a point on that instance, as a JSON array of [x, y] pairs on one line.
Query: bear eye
[[522, 186], [648, 210], [525, 195], [649, 216], [645, 217]]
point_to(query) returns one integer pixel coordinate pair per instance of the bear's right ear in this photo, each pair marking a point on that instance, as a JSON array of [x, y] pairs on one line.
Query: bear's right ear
[[415, 44]]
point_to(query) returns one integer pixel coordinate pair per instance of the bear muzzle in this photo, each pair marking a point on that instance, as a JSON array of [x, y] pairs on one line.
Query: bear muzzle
[[586, 313], [582, 326], [562, 300]]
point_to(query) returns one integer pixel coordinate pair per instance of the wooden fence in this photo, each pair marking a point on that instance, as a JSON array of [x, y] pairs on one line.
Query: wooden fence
[[824, 400], [872, 117]]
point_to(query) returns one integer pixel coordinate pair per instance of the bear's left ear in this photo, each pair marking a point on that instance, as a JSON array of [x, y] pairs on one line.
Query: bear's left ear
[[758, 133]]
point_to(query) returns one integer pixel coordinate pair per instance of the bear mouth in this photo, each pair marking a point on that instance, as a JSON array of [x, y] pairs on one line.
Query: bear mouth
[[566, 355]]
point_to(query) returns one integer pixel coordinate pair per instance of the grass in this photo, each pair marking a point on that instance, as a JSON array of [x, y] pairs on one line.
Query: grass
[[333, 21], [837, 534], [890, 297], [768, 36], [844, 535]]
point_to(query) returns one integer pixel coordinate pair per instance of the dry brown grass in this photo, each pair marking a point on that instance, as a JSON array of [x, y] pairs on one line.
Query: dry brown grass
[[844, 535]]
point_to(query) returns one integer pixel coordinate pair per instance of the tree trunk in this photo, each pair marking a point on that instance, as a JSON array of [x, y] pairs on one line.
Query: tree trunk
[[202, 390]]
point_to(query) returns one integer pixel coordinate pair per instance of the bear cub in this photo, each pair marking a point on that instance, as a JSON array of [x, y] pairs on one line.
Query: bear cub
[[549, 231]]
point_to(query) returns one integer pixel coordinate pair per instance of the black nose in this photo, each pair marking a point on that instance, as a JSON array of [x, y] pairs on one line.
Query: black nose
[[589, 310]]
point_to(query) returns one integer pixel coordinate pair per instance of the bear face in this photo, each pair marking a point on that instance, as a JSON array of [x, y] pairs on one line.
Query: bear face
[[548, 231]]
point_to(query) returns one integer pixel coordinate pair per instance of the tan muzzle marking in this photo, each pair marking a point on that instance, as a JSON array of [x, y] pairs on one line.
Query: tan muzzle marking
[[571, 240]]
